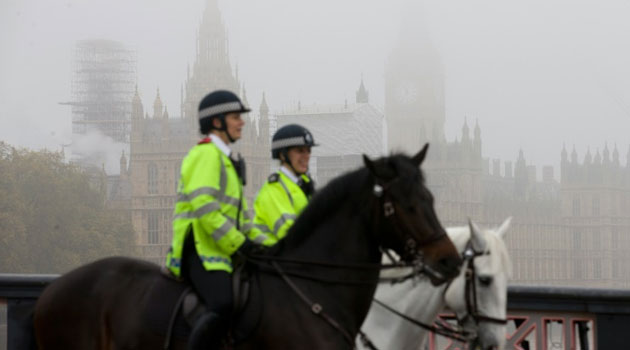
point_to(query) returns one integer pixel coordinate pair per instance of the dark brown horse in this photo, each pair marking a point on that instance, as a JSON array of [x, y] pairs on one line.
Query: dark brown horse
[[312, 293]]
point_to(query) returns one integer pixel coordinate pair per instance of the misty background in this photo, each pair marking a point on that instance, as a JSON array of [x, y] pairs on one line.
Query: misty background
[[535, 74]]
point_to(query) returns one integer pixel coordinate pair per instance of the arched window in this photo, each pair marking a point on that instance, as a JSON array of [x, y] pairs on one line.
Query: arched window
[[152, 178], [576, 206], [154, 232], [595, 205]]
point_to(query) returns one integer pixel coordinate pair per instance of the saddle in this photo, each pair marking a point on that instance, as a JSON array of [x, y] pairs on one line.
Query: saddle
[[189, 307]]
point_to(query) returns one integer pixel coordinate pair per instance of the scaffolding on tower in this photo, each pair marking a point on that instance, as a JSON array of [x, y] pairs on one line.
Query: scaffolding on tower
[[103, 86]]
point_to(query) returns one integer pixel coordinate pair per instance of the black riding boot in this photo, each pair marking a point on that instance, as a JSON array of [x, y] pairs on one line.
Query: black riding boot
[[207, 333]]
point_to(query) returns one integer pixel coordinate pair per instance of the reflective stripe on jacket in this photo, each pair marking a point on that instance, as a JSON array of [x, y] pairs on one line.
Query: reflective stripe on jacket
[[277, 206], [207, 203]]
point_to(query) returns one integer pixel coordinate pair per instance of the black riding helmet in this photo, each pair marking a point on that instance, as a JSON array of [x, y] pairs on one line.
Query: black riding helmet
[[292, 135], [216, 105]]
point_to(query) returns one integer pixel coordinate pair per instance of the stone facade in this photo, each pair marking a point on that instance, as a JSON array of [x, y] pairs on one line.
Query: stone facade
[[570, 232]]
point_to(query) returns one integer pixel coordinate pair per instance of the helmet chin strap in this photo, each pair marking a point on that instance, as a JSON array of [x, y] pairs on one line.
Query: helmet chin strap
[[287, 161], [229, 136], [225, 129]]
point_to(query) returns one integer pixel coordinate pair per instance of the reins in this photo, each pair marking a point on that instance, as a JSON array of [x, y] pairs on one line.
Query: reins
[[411, 250], [262, 265], [459, 335], [350, 266], [315, 307]]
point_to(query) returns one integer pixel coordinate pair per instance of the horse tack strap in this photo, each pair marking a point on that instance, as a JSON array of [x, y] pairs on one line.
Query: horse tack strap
[[171, 322], [437, 329], [366, 341], [316, 308], [470, 292]]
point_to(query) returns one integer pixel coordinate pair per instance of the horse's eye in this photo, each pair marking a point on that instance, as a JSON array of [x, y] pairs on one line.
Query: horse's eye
[[485, 280]]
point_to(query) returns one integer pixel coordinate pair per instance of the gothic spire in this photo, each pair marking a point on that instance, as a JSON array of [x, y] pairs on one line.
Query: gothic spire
[[588, 159], [362, 95], [564, 157], [157, 105], [606, 154], [264, 109], [615, 155], [136, 106], [465, 131]]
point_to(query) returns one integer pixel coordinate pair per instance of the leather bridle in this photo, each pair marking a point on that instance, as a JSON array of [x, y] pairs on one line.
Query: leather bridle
[[411, 246], [411, 250], [470, 289], [472, 308]]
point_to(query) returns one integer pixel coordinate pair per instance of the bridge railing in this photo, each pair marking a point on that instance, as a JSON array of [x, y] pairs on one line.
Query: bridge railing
[[609, 309], [18, 293]]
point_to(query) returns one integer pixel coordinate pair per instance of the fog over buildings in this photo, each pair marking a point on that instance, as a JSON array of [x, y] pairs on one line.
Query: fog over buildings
[[503, 89], [536, 74]]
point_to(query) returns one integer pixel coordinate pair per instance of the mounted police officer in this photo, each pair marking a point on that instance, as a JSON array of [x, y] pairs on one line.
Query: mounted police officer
[[288, 190], [210, 222]]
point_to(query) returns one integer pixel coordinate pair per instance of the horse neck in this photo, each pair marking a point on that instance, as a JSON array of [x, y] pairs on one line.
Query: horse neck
[[419, 300], [343, 233], [338, 231]]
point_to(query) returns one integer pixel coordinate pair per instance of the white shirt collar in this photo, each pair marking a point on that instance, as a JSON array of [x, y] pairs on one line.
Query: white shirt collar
[[222, 146], [289, 174]]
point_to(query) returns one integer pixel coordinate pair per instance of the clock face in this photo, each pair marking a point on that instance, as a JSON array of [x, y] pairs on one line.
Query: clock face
[[406, 93]]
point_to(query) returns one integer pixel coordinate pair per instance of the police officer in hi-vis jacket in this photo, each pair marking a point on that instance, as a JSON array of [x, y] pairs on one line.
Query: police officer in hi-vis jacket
[[288, 190], [210, 222]]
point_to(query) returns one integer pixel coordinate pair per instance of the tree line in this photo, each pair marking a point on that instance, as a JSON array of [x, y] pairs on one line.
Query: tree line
[[52, 216]]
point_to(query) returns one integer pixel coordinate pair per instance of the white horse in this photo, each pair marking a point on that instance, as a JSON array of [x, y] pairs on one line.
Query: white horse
[[478, 296]]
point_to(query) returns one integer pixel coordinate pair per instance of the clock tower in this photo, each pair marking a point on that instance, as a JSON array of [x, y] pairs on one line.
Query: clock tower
[[414, 88]]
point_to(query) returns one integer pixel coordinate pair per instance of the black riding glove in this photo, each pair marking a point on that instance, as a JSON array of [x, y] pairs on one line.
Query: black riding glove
[[250, 248]]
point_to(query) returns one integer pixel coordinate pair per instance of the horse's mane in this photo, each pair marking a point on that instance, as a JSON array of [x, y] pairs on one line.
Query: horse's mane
[[327, 200]]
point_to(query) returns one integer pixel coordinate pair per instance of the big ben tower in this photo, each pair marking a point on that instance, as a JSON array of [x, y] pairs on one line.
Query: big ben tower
[[414, 87]]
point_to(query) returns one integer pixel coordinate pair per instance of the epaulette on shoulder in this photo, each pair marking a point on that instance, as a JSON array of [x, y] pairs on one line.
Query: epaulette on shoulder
[[273, 178]]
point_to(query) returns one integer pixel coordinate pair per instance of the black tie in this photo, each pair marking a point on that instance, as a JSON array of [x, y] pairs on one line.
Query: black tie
[[239, 166], [307, 187]]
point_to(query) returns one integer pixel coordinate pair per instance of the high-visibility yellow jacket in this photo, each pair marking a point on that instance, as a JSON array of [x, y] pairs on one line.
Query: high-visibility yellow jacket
[[277, 205], [207, 204]]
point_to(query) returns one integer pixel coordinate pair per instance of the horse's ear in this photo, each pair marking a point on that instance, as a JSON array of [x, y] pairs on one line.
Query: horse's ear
[[419, 157], [503, 228], [369, 164], [476, 237]]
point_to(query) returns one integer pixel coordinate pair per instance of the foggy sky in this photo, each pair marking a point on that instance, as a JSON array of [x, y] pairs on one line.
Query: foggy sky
[[535, 74]]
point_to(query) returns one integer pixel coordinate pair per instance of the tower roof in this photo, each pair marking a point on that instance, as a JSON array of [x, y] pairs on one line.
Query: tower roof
[[264, 108], [588, 158], [362, 95], [157, 105]]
